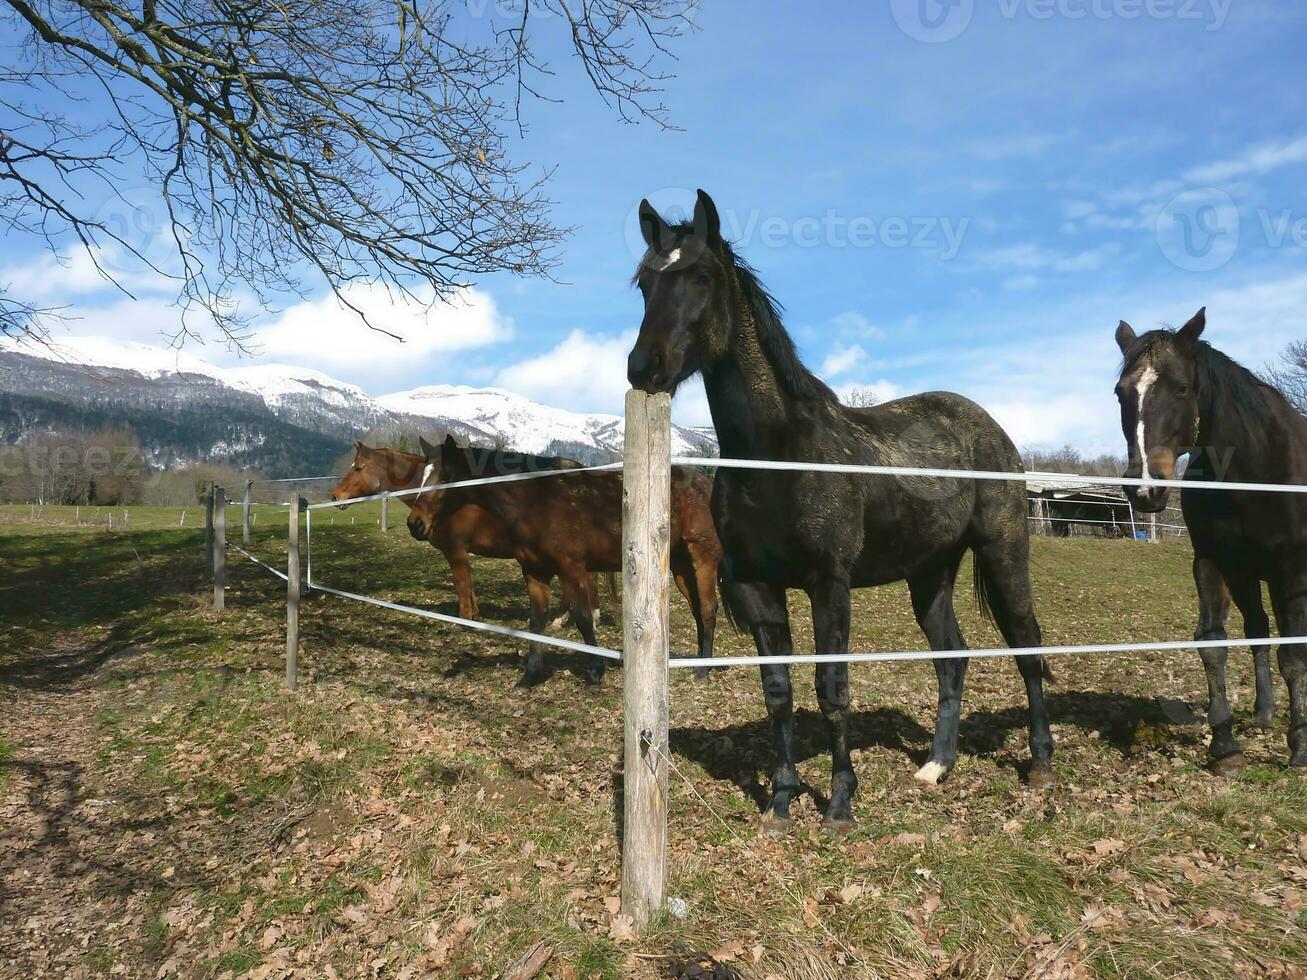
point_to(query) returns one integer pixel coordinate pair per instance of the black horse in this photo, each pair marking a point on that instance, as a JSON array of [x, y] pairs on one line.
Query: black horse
[[1180, 395], [705, 310]]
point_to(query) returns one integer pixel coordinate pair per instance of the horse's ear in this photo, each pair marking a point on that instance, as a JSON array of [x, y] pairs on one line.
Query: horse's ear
[[451, 444], [428, 450], [706, 219], [656, 231], [1192, 330], [1125, 337]]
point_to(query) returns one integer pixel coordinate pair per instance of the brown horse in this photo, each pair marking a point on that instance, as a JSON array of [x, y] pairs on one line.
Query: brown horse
[[571, 525], [459, 532]]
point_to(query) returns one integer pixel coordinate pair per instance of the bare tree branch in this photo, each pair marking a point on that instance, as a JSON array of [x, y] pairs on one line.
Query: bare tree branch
[[360, 140], [1290, 375]]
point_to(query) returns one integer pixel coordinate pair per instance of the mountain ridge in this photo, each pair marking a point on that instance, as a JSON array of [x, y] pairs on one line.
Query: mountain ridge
[[272, 417]]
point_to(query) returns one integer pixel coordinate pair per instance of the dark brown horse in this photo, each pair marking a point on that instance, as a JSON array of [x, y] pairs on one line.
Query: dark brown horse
[[1180, 395], [462, 531], [705, 311], [568, 526]]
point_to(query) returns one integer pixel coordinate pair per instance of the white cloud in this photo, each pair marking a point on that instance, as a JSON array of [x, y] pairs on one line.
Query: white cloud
[[323, 332], [1009, 147], [1258, 160], [851, 322], [1028, 257], [842, 360], [586, 372]]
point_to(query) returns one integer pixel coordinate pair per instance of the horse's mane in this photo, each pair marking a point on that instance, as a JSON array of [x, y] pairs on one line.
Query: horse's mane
[[1225, 386], [766, 312], [775, 339]]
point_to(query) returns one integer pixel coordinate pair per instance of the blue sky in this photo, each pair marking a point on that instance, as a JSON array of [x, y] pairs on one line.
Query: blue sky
[[962, 196]]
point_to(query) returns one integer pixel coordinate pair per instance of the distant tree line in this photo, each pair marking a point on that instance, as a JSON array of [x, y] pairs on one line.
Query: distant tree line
[[102, 468]]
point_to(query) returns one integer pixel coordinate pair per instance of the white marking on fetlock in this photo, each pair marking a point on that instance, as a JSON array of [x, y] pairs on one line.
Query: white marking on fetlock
[[932, 772], [560, 622]]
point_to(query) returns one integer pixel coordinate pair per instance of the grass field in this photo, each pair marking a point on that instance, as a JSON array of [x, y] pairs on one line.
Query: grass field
[[166, 809]]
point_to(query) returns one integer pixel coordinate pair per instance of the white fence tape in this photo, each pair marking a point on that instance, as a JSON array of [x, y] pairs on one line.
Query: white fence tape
[[818, 658], [480, 482], [235, 547], [835, 658], [552, 641], [1067, 478]]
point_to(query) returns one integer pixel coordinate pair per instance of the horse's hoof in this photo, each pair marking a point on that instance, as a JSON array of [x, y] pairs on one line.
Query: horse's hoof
[[837, 826], [1264, 719], [1298, 760], [1228, 765], [774, 826], [1041, 775], [931, 773], [701, 674], [594, 680], [530, 680]]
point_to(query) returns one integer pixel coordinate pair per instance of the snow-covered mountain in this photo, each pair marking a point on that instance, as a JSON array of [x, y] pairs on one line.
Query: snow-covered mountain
[[185, 409]]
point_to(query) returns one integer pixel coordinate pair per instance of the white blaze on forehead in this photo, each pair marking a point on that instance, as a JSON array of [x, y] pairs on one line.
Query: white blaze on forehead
[[426, 475], [1145, 382], [662, 263]]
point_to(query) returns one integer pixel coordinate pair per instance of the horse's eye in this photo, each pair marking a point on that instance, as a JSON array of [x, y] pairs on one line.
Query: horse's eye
[[1182, 390]]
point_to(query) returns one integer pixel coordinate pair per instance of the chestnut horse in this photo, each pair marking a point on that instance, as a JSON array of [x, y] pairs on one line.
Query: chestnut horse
[[459, 532], [571, 525]]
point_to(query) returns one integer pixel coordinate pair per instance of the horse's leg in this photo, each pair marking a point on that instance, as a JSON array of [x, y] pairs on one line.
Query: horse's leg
[[932, 601], [461, 570], [762, 609], [537, 590], [1213, 608], [1291, 616], [1246, 591], [830, 623], [1005, 569], [580, 594], [688, 574]]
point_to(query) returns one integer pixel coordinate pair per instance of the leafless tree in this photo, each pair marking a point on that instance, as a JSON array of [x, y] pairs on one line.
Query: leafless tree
[[1290, 375], [344, 140], [861, 397]]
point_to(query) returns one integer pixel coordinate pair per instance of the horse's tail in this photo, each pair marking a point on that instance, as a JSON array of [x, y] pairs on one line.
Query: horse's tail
[[984, 603], [725, 589]]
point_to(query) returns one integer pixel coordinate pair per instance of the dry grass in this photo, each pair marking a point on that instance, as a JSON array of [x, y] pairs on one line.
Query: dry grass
[[171, 811]]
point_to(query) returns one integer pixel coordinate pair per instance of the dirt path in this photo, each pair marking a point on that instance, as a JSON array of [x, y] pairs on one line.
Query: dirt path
[[73, 898]]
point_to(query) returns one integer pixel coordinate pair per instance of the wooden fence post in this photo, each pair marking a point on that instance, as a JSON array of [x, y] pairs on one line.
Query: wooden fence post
[[646, 543], [245, 513], [219, 550], [385, 514], [208, 527], [293, 593]]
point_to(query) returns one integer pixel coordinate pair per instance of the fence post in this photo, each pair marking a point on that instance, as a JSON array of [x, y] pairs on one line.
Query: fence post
[[646, 544], [245, 513], [293, 593], [385, 514], [219, 550], [208, 527]]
